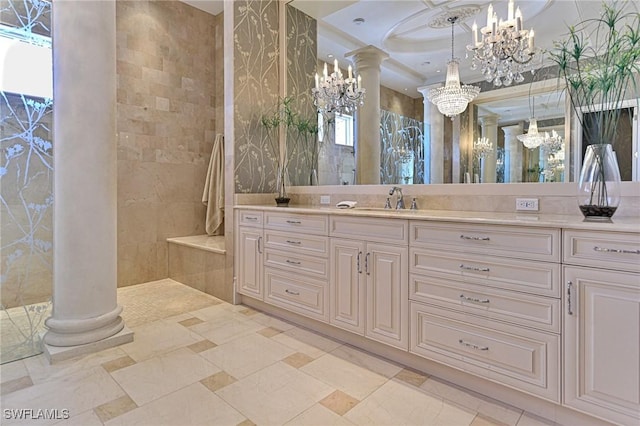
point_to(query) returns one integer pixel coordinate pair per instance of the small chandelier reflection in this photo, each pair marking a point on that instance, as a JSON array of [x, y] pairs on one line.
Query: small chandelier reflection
[[532, 139], [336, 94], [506, 50], [553, 142], [482, 147], [453, 98]]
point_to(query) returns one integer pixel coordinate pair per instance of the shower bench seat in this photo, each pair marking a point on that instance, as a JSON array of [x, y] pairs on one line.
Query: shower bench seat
[[199, 262]]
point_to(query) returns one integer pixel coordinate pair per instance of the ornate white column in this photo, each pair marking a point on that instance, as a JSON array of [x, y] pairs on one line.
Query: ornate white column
[[367, 64], [434, 131], [85, 314], [512, 153], [490, 130]]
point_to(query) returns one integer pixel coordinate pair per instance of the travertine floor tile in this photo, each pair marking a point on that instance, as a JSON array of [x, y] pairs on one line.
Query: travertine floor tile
[[411, 377], [306, 342], [159, 376], [218, 381], [489, 408], [270, 321], [115, 408], [202, 346], [190, 321], [158, 338], [274, 395], [370, 362], [269, 331], [222, 331], [12, 370], [528, 419], [319, 415], [87, 418], [192, 405], [118, 363], [340, 374], [15, 385], [298, 360], [394, 403], [339, 402], [246, 355]]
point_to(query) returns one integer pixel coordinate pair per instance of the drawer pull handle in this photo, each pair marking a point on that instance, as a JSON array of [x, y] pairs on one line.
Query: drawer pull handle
[[569, 285], [366, 263], [251, 218], [473, 345], [474, 299], [291, 262], [359, 266], [294, 222], [260, 245], [466, 237], [293, 293], [613, 250], [474, 268], [294, 242]]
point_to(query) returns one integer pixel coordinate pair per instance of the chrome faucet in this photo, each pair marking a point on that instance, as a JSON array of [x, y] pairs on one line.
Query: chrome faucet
[[400, 200]]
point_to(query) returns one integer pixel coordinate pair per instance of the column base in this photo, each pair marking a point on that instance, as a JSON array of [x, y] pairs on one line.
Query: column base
[[61, 353]]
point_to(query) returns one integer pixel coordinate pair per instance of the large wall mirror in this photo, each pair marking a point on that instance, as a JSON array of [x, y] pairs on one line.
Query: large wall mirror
[[320, 32]]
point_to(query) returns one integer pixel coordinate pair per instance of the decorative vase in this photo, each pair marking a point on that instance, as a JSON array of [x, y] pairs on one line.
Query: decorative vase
[[282, 200], [599, 183], [313, 177]]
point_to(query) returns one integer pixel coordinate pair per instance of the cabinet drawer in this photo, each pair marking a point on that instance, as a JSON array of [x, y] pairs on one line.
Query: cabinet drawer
[[250, 218], [517, 308], [300, 294], [378, 230], [515, 356], [610, 250], [303, 223], [509, 241], [542, 278], [314, 266], [297, 243]]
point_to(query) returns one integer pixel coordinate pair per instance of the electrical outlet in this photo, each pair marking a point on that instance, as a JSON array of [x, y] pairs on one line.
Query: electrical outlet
[[527, 204], [325, 199]]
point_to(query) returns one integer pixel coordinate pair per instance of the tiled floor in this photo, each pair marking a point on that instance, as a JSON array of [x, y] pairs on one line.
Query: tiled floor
[[198, 361]]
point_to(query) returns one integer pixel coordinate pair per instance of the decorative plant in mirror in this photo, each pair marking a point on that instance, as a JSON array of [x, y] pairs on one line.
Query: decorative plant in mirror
[[304, 140], [335, 94], [453, 98], [599, 62], [505, 50]]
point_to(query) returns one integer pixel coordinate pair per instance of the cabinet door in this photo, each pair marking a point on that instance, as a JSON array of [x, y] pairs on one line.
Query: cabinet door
[[347, 290], [602, 343], [387, 294], [249, 260]]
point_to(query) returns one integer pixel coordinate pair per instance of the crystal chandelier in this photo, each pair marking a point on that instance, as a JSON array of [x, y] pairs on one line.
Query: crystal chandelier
[[532, 139], [506, 50], [552, 142], [336, 94], [482, 147], [453, 98]]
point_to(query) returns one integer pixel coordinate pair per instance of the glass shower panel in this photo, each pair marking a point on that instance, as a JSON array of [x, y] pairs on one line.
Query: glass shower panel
[[26, 176]]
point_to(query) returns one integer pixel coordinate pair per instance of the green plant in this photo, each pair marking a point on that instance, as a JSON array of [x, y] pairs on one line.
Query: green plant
[[304, 139], [599, 62]]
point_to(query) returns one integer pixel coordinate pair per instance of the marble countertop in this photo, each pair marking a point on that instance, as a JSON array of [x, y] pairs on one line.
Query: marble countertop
[[621, 224]]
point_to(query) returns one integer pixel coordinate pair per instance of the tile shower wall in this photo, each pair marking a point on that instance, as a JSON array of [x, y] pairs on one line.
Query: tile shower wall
[[168, 113]]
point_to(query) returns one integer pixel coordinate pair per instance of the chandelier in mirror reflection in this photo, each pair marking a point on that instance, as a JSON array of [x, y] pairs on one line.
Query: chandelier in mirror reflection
[[335, 94]]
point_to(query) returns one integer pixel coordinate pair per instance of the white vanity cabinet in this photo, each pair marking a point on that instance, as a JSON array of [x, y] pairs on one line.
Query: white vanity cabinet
[[249, 253], [368, 285], [296, 264], [486, 299], [602, 324]]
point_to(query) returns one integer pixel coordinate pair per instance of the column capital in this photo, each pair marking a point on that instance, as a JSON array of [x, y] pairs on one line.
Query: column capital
[[425, 89], [513, 130], [369, 56], [489, 120]]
